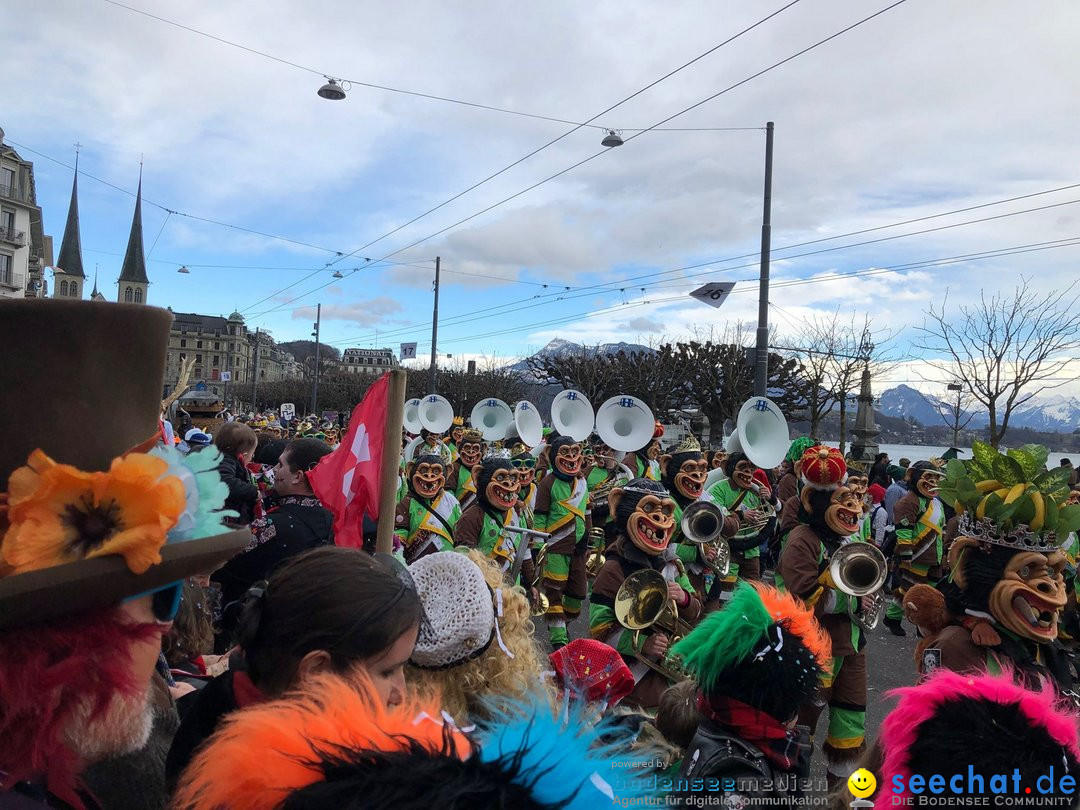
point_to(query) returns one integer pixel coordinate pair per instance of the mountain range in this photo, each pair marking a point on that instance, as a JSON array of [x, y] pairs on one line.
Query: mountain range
[[1055, 413]]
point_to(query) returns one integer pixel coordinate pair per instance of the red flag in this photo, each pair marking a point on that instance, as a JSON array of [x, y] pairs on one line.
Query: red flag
[[347, 480]]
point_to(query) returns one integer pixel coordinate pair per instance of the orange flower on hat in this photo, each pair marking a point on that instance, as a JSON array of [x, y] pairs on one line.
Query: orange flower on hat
[[58, 514]]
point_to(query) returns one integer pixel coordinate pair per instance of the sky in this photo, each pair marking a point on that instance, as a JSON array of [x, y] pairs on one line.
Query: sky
[[925, 109]]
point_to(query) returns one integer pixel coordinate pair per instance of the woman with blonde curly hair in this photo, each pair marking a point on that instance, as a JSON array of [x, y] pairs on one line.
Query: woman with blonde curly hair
[[476, 644]]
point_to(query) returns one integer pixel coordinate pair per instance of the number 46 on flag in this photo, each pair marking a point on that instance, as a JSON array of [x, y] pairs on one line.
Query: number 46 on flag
[[714, 293]]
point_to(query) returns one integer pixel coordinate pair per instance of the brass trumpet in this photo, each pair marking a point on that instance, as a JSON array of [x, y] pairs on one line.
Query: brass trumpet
[[860, 569], [641, 603], [701, 524], [542, 603]]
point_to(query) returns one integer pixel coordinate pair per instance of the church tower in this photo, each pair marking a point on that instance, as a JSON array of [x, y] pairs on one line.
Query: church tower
[[69, 275], [132, 284]]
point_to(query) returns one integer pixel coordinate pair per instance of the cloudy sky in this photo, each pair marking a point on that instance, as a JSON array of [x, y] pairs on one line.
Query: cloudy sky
[[926, 109]]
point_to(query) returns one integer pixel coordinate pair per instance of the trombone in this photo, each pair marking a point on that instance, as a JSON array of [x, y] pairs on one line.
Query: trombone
[[539, 558], [701, 524], [860, 569], [641, 603]]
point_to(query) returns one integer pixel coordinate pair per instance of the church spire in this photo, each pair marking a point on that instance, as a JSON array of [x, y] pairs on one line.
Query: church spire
[[95, 295], [70, 259], [134, 268]]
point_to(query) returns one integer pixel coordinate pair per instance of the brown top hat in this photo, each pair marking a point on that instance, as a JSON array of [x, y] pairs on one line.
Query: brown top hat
[[82, 382]]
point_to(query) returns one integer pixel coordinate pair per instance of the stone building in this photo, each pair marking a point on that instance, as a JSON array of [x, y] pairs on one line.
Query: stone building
[[367, 361], [25, 251]]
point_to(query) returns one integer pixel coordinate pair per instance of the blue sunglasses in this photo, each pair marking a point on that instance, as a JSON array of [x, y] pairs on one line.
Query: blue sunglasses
[[165, 601]]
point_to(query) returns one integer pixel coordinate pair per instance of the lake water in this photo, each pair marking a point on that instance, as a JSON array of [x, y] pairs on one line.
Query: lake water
[[915, 453]]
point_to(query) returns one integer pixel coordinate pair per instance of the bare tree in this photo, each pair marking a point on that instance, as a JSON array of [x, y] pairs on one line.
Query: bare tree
[[1005, 349], [957, 416], [835, 353]]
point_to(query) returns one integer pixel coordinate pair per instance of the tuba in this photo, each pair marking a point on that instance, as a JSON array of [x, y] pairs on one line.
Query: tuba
[[572, 415], [436, 414], [625, 423], [492, 417], [761, 432], [642, 603], [411, 418], [529, 425], [701, 524], [860, 569], [596, 559]]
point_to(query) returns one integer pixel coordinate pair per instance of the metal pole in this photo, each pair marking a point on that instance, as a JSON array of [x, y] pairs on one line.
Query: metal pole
[[315, 387], [434, 331], [956, 422], [761, 365], [255, 370]]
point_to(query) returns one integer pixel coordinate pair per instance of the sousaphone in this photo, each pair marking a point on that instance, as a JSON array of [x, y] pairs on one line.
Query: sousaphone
[[572, 415], [411, 418], [436, 414], [530, 427], [492, 417], [625, 423], [761, 433]]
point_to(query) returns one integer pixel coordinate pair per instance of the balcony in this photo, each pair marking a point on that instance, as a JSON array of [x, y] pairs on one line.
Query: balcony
[[13, 193], [12, 236]]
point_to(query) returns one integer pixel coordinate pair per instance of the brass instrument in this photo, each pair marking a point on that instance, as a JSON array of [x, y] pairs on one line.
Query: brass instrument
[[621, 478], [542, 603], [641, 603], [752, 530], [596, 559], [860, 569], [701, 524]]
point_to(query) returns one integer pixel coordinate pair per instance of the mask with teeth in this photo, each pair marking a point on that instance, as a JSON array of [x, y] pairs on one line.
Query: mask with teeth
[[427, 476], [844, 512], [1023, 590], [644, 514], [684, 475], [497, 484]]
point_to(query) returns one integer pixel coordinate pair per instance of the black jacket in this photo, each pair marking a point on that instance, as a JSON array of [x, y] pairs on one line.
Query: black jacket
[[202, 719], [243, 494], [297, 524]]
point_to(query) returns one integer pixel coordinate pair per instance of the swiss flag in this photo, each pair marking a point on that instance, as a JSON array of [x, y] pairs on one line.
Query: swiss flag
[[347, 480]]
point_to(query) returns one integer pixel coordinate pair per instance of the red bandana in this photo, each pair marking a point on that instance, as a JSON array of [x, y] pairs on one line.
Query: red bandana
[[775, 739]]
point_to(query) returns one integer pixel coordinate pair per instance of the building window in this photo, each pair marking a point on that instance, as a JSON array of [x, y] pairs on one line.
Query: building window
[[63, 288], [74, 289], [198, 344], [217, 345], [138, 294], [198, 372], [198, 358], [5, 269], [129, 295], [183, 356], [217, 358], [183, 343]]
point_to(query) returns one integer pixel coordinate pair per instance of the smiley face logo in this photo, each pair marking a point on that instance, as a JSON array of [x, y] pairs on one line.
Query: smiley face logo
[[861, 783]]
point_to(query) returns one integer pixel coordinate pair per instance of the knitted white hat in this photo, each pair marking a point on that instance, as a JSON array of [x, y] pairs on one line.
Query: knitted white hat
[[460, 609]]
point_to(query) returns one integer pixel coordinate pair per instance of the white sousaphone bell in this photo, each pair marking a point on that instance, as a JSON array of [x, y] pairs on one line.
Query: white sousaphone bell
[[529, 425], [572, 415], [492, 417], [436, 413], [411, 419], [625, 423], [761, 433]]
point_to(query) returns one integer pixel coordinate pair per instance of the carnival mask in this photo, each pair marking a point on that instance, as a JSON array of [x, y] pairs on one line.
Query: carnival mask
[[844, 512], [651, 524], [718, 459], [743, 475], [456, 434], [502, 491], [690, 479], [654, 451], [470, 453], [928, 484], [858, 484], [428, 479], [568, 459], [526, 471], [1030, 595]]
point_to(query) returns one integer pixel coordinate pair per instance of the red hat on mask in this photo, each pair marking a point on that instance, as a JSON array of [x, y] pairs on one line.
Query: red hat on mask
[[823, 467], [877, 492]]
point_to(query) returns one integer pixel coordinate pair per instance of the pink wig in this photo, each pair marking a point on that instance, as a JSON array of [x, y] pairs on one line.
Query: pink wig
[[50, 673], [919, 704]]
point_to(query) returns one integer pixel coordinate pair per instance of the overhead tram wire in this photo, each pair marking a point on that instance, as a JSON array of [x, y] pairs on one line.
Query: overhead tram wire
[[616, 285], [388, 89], [637, 135], [83, 173], [553, 141], [873, 271]]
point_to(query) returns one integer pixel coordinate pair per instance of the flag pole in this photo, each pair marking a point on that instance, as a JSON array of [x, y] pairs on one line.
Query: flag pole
[[391, 460]]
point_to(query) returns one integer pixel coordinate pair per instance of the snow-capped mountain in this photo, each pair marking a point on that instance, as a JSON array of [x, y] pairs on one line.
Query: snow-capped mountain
[[1055, 413], [560, 348]]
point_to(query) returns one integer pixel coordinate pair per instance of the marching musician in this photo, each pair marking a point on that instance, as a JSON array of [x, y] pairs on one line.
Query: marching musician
[[742, 496], [829, 514], [562, 509], [484, 523], [524, 465], [645, 519], [683, 473], [470, 453], [427, 514], [456, 431], [599, 480]]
